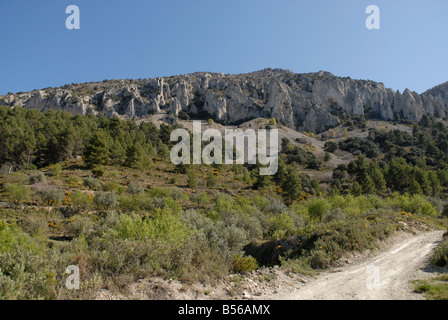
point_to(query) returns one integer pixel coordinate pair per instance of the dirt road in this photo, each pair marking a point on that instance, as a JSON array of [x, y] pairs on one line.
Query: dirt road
[[384, 277]]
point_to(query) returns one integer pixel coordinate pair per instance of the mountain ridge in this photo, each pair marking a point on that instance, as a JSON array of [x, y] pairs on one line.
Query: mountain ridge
[[310, 102]]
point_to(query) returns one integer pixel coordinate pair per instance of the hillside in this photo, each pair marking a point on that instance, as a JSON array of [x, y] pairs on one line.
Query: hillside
[[310, 102], [102, 194]]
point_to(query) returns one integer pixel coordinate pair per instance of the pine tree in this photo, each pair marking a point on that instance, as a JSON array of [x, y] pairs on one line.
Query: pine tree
[[96, 151], [291, 186], [368, 186], [399, 174], [421, 177], [261, 181], [280, 175], [117, 153], [377, 176], [434, 182], [135, 156], [415, 188], [356, 189]]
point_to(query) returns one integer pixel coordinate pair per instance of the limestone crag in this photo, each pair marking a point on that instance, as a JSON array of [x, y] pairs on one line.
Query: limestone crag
[[311, 102]]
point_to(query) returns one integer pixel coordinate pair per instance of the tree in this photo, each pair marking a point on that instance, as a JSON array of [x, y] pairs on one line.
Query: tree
[[117, 153], [359, 168], [261, 181], [399, 174], [356, 189], [376, 174], [331, 146], [316, 186], [291, 186], [280, 175], [285, 145], [421, 177], [415, 188], [163, 151], [368, 186], [434, 182], [96, 151], [442, 174], [135, 156]]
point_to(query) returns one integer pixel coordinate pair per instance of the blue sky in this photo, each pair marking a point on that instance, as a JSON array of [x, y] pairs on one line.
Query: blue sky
[[148, 38]]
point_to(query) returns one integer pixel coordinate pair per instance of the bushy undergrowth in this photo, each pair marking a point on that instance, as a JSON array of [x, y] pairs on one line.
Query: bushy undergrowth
[[441, 253], [141, 233]]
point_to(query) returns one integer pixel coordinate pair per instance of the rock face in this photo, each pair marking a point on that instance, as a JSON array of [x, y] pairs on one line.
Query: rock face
[[311, 102]]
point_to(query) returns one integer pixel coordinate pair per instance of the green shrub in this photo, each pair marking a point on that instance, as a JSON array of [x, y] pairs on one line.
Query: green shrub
[[317, 208], [201, 199], [320, 259], [105, 200], [163, 227], [56, 170], [35, 225], [134, 188], [92, 183], [192, 179], [98, 171], [416, 204], [38, 177], [224, 204], [140, 201], [241, 263], [441, 254], [275, 206], [211, 181], [52, 196], [160, 192], [282, 226], [12, 239], [81, 225], [24, 272], [300, 266], [18, 178], [176, 193], [81, 201], [17, 193], [111, 186]]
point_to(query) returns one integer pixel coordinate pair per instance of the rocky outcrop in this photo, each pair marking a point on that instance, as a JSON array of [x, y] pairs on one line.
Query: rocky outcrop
[[311, 102]]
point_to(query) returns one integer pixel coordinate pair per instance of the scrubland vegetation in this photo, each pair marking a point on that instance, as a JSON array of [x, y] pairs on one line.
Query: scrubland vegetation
[[102, 194]]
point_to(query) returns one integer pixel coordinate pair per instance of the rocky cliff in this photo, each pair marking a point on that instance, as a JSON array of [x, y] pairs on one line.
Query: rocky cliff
[[311, 102]]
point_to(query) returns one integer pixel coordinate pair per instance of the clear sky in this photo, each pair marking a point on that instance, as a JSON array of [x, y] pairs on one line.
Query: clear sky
[[148, 38]]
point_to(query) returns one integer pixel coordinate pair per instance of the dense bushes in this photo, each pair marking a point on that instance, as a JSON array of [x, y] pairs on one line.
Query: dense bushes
[[123, 225], [148, 233], [441, 253], [24, 271], [17, 193], [369, 148]]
